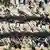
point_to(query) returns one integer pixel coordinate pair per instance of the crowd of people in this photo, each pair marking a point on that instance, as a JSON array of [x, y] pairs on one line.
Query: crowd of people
[[24, 8], [25, 43], [31, 7], [34, 8], [29, 26]]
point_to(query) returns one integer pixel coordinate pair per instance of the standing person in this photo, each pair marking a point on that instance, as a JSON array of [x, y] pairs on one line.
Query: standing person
[[26, 2], [22, 2], [32, 3], [6, 2], [17, 3], [12, 2], [46, 1], [1, 1]]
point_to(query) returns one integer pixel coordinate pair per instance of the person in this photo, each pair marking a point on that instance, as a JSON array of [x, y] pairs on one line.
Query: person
[[22, 2], [40, 4], [6, 2], [0, 1], [46, 1], [7, 13], [49, 27]]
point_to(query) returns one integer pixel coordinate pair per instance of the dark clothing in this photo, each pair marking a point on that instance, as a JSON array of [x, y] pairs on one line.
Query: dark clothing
[[40, 4], [46, 1]]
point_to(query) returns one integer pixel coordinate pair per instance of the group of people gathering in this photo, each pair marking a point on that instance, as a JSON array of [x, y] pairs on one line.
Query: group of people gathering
[[31, 26], [25, 43], [29, 7], [24, 8]]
